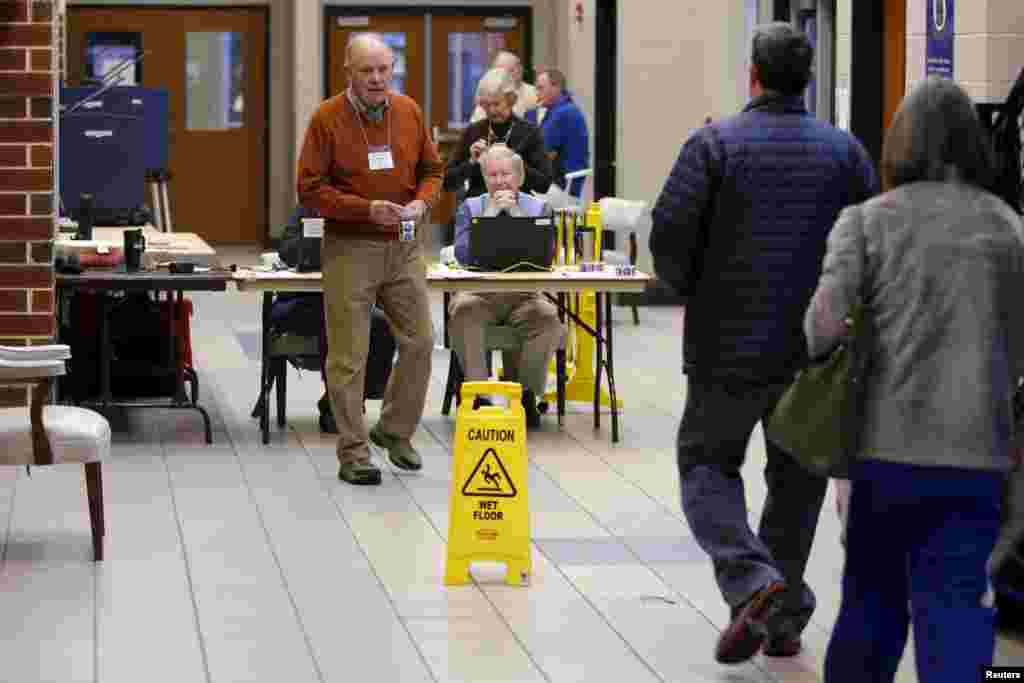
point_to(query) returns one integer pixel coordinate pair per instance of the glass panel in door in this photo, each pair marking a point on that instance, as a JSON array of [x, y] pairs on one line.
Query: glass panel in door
[[469, 56], [404, 34], [214, 78]]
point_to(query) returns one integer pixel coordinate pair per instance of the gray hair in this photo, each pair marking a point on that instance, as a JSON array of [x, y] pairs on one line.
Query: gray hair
[[505, 54], [364, 41], [936, 135], [783, 56], [497, 82], [499, 151]]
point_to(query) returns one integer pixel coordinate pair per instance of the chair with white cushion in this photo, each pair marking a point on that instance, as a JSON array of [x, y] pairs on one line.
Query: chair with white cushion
[[53, 434]]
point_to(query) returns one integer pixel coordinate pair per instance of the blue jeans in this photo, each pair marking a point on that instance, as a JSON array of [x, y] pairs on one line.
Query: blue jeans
[[718, 419], [917, 541]]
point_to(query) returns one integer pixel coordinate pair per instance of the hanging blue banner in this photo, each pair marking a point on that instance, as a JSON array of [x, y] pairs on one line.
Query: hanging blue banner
[[939, 41]]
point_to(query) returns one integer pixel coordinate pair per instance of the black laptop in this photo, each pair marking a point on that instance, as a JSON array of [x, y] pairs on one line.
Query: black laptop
[[510, 243]]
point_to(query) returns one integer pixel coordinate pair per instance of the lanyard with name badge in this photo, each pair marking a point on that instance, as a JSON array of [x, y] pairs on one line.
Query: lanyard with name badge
[[379, 158]]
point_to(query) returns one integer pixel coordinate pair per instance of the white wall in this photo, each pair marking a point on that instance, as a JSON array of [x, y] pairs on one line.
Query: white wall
[[681, 63]]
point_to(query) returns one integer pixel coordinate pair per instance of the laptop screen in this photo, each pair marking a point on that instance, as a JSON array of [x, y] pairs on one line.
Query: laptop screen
[[504, 243]]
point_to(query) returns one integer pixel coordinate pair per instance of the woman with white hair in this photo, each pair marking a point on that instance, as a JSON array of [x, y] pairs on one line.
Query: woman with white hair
[[497, 96], [526, 94]]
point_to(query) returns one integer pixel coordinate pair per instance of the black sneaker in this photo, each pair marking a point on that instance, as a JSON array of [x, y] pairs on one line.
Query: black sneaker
[[530, 407]]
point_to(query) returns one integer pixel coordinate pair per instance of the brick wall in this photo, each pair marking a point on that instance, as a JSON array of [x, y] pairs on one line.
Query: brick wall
[[27, 143]]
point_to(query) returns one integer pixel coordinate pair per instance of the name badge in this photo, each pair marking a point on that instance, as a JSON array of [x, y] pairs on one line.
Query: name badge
[[380, 159], [313, 227], [407, 231]]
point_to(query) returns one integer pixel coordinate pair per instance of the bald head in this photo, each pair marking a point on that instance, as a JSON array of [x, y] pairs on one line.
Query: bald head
[[370, 63], [362, 44]]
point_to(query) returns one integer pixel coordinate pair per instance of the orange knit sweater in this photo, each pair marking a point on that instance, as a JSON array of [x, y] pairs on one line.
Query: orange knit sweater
[[334, 176]]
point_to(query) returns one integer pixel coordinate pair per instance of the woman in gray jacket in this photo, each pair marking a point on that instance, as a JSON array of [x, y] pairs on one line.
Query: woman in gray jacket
[[940, 263]]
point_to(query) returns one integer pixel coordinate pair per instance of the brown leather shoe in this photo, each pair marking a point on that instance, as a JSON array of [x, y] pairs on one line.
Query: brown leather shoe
[[780, 646], [748, 631], [359, 472]]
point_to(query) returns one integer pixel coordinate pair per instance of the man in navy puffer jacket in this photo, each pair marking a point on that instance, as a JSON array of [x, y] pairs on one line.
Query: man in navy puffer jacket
[[740, 231]]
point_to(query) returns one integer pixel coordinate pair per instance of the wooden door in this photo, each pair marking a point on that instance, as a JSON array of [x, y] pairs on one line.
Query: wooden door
[[405, 34], [212, 62], [895, 59], [462, 50]]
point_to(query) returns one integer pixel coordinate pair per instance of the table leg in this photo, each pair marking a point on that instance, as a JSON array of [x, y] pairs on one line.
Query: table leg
[[560, 364], [105, 351], [445, 301], [610, 366], [598, 358], [264, 402], [177, 349]]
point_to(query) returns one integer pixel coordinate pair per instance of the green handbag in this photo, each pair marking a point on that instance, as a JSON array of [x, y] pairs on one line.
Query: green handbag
[[820, 416]]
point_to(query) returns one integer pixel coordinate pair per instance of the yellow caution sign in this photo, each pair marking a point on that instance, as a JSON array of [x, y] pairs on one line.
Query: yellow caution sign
[[489, 516]]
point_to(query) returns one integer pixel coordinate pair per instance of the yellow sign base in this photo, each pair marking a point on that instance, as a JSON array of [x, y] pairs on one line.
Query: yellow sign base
[[489, 518]]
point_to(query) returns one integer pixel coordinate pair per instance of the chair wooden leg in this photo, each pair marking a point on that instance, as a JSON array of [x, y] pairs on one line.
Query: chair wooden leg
[[636, 315], [94, 492]]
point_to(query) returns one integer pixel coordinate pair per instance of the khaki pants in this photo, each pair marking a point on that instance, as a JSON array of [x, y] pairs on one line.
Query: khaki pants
[[535, 317], [356, 273]]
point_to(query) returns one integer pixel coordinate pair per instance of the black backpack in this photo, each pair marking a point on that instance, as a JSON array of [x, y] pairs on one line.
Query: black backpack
[[1006, 144]]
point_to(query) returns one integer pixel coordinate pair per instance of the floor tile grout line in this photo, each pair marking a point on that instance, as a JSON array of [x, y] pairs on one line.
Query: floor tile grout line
[[204, 655], [239, 461], [362, 550], [597, 611]]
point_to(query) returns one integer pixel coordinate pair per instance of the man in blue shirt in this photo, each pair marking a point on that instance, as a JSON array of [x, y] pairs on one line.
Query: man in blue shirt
[[564, 128]]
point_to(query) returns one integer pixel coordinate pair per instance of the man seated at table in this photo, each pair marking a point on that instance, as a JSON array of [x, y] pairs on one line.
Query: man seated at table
[[470, 313], [303, 313]]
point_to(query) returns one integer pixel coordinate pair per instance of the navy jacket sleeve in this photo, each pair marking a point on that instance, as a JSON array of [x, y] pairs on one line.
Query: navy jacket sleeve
[[683, 212], [462, 220]]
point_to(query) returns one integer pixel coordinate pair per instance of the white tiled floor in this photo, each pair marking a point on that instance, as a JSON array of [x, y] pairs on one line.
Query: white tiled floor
[[243, 562]]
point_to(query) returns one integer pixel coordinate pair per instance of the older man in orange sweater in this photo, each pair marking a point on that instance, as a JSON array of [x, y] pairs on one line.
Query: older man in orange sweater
[[369, 167]]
